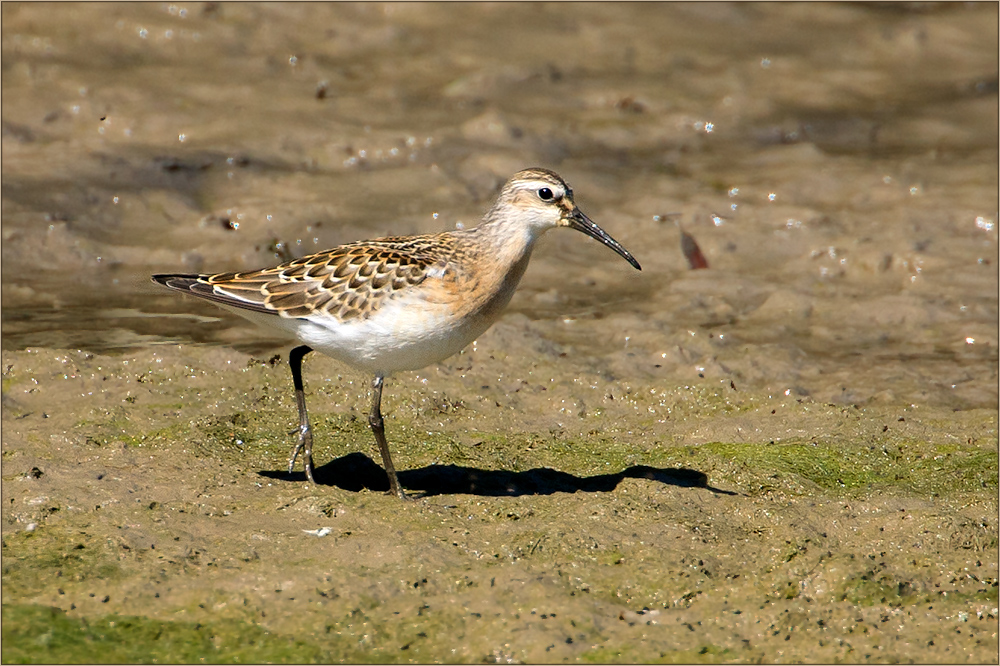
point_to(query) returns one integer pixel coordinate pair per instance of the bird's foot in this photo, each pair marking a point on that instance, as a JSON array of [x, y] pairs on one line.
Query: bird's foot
[[304, 445]]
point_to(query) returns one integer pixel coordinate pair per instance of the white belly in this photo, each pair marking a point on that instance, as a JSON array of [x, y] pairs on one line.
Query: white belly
[[400, 335]]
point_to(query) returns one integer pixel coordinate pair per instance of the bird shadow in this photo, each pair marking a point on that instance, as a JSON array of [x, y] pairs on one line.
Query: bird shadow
[[356, 471]]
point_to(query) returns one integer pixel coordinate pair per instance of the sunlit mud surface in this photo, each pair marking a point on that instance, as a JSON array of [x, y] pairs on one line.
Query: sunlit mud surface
[[787, 456]]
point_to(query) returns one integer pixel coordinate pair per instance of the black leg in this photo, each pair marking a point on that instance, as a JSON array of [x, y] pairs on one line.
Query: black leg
[[304, 429], [378, 427]]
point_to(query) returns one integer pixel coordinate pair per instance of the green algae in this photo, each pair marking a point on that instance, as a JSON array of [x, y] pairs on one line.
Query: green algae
[[846, 467], [35, 634], [34, 561]]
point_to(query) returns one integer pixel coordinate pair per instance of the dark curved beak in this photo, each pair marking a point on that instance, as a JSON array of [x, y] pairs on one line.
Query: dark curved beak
[[577, 220]]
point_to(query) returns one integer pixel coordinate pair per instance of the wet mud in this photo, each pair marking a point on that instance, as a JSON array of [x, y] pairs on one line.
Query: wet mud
[[787, 455]]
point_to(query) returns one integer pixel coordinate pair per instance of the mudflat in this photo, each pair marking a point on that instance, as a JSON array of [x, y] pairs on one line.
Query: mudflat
[[789, 455], [558, 516]]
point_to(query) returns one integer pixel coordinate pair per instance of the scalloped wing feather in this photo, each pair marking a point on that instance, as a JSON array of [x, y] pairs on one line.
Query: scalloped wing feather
[[344, 283]]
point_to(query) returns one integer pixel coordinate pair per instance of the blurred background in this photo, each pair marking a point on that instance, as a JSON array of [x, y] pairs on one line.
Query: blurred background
[[836, 164]]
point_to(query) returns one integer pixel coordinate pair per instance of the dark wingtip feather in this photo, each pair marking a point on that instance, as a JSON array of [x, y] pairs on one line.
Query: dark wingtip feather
[[195, 285], [178, 281]]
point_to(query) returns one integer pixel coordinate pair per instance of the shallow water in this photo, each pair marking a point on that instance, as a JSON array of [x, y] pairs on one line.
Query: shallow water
[[837, 165]]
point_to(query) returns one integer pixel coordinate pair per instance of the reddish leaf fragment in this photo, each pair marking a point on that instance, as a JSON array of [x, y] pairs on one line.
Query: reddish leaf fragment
[[692, 252]]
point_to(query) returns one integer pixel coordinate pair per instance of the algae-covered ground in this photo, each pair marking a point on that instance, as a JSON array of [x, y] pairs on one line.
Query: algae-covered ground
[[148, 517]]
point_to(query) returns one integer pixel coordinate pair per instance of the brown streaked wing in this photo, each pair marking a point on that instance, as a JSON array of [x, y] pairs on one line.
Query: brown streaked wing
[[345, 283]]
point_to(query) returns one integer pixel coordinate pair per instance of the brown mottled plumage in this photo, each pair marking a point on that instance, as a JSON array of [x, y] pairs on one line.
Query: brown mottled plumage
[[346, 282], [400, 303]]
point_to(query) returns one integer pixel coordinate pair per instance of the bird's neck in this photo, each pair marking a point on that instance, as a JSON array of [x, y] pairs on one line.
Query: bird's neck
[[506, 245], [492, 267]]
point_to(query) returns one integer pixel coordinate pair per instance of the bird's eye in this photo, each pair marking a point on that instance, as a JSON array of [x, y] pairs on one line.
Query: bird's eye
[[545, 194]]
